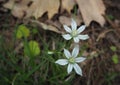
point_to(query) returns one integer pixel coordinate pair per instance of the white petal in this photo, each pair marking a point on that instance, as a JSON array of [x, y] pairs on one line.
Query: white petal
[[81, 28], [79, 59], [73, 25], [67, 29], [76, 39], [67, 53], [69, 68], [62, 61], [77, 69], [67, 36], [83, 37], [75, 51]]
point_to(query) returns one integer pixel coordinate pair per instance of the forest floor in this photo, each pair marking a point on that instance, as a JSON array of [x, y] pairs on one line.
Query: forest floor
[[103, 68]]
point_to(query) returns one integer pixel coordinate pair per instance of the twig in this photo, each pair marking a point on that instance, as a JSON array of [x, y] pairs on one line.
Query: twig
[[88, 82], [113, 26]]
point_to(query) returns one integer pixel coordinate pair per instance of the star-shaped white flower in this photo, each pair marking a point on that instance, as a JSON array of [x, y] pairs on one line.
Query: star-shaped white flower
[[74, 33], [72, 61]]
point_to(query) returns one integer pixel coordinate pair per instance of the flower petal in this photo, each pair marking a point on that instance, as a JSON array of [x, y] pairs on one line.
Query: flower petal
[[67, 36], [77, 69], [69, 68], [76, 39], [81, 28], [83, 37], [67, 29], [67, 53], [62, 61], [73, 25], [79, 59], [75, 51]]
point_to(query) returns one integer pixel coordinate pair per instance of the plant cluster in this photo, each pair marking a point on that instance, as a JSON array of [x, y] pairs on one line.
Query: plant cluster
[[71, 58]]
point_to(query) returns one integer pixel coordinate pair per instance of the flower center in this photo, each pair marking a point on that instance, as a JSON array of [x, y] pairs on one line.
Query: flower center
[[71, 60], [74, 33]]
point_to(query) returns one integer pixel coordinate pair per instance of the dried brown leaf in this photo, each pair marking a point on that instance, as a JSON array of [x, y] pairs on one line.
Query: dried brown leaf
[[68, 4], [46, 26], [92, 10], [67, 20], [36, 9], [39, 7], [18, 10]]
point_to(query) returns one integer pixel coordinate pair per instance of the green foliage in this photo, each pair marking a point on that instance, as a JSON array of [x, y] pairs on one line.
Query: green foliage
[[115, 56], [115, 59], [34, 31], [32, 48], [113, 48], [111, 17], [22, 31], [16, 69], [110, 76]]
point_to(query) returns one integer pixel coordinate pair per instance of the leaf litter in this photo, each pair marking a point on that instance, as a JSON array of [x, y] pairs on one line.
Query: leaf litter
[[93, 10], [99, 64]]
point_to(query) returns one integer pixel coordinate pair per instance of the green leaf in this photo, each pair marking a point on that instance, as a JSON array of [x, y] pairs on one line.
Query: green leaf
[[34, 31], [111, 17], [32, 49], [113, 48], [22, 31], [115, 58]]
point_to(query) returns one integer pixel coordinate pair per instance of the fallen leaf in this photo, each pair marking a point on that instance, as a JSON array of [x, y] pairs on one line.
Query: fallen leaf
[[68, 5], [36, 9], [39, 7], [67, 20], [17, 9], [55, 23], [46, 26], [9, 4], [92, 10]]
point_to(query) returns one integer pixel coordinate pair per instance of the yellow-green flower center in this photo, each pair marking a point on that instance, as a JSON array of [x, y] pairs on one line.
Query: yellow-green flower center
[[74, 33], [71, 60]]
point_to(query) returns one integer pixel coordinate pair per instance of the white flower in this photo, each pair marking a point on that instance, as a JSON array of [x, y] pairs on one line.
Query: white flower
[[72, 60], [74, 33]]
